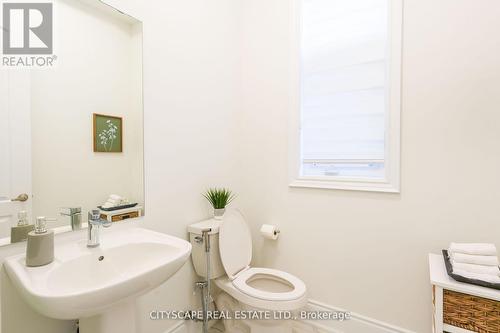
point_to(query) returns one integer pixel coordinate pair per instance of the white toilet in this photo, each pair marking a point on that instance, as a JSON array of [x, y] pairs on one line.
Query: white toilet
[[245, 288]]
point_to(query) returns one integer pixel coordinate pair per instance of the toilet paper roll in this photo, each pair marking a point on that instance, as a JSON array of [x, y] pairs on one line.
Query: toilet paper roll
[[269, 231]]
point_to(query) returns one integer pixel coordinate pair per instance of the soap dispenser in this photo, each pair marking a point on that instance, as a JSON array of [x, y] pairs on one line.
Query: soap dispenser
[[20, 232], [40, 248]]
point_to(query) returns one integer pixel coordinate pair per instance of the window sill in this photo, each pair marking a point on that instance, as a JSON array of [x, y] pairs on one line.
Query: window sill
[[345, 185]]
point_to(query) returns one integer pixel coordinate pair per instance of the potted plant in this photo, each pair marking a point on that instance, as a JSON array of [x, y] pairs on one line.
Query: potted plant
[[219, 199]]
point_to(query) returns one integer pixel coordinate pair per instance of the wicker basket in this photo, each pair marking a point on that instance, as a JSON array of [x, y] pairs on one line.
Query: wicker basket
[[472, 313]]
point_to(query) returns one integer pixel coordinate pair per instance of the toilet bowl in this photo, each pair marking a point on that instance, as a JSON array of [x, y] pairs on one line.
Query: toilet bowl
[[265, 288], [246, 288]]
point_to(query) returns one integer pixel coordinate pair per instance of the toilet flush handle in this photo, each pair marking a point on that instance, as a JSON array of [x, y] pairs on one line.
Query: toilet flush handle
[[204, 238]]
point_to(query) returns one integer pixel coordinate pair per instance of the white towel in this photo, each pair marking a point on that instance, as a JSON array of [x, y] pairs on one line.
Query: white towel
[[107, 205], [473, 248], [472, 259], [475, 276], [115, 197], [478, 269]]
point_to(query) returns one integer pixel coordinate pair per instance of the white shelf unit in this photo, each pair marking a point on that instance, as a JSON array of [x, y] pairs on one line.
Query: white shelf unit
[[440, 280]]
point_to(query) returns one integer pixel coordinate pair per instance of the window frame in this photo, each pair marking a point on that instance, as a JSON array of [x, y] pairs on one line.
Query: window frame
[[391, 181]]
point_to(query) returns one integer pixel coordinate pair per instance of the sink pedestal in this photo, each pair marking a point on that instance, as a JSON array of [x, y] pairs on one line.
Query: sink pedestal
[[119, 319]]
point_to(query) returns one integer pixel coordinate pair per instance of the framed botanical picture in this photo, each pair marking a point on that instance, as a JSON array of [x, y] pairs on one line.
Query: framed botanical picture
[[108, 134]]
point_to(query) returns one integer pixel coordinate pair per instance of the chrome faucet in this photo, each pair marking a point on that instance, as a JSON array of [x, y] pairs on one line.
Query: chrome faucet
[[95, 222], [73, 216]]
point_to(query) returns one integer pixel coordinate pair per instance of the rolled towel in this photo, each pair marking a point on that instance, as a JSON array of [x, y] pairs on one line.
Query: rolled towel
[[115, 197], [472, 259], [107, 205], [114, 201], [475, 276], [478, 269], [473, 248]]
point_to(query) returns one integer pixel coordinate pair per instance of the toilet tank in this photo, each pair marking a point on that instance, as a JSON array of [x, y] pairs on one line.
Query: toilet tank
[[198, 254]]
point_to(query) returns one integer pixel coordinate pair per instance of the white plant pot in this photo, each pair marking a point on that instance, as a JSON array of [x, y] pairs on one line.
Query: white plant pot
[[219, 213]]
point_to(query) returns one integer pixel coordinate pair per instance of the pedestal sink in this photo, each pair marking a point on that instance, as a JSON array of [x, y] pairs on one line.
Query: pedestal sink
[[99, 286]]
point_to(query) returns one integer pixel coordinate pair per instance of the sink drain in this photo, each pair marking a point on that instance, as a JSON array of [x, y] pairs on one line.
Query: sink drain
[[101, 258]]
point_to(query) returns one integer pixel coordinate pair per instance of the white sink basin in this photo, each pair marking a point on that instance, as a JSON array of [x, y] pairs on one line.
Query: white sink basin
[[84, 282]]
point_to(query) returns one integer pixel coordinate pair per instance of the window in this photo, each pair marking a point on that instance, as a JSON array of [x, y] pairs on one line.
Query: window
[[346, 133]]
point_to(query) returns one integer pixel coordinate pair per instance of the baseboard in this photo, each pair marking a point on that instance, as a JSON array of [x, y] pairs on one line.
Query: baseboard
[[357, 324]]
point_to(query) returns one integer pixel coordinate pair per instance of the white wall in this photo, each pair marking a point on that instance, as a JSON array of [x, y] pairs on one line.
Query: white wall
[[191, 90], [367, 252], [191, 100], [98, 70]]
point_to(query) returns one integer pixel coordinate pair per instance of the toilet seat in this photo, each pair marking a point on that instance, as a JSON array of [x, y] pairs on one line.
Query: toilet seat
[[235, 249], [298, 287], [251, 302]]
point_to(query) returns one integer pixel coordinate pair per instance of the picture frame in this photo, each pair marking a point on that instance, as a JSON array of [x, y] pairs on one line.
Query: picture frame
[[107, 133]]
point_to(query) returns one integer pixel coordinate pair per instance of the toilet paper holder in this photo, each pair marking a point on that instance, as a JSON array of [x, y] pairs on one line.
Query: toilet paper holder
[[269, 231]]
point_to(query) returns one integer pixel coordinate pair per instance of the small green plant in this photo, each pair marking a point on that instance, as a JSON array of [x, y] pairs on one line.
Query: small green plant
[[219, 198]]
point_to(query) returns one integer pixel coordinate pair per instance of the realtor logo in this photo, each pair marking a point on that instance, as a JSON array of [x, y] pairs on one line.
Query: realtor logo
[[27, 28]]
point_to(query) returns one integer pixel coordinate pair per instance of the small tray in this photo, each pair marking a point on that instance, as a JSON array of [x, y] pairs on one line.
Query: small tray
[[117, 207], [449, 270]]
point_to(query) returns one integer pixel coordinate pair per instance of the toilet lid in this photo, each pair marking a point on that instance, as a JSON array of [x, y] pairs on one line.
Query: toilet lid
[[235, 243]]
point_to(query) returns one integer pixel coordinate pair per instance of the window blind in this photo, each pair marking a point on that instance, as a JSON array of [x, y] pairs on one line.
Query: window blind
[[344, 62]]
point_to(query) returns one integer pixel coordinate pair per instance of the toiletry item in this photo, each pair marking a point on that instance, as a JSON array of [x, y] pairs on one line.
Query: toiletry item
[[72, 217], [115, 200], [269, 231], [20, 232], [40, 248]]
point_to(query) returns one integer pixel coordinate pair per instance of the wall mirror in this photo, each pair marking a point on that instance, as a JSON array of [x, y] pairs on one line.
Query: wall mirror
[[71, 119]]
